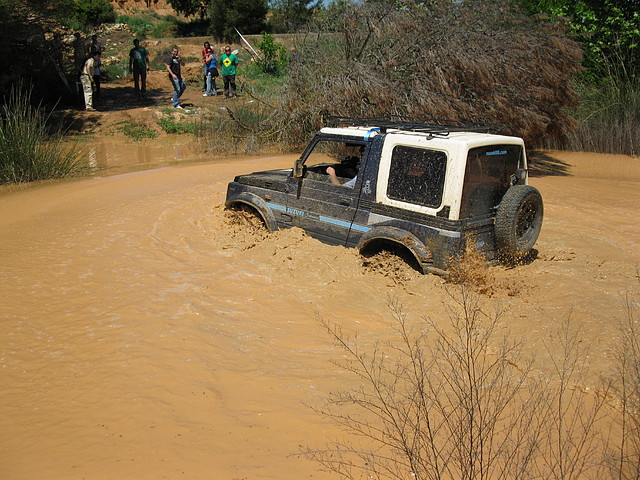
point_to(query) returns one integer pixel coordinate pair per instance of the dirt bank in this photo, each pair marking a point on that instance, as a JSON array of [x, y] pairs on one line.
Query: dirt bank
[[146, 335]]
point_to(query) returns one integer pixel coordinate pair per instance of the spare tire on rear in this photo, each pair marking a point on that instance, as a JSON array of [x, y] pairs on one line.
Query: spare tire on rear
[[518, 221]]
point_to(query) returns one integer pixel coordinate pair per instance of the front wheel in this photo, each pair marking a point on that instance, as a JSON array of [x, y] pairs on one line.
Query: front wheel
[[518, 221], [249, 217]]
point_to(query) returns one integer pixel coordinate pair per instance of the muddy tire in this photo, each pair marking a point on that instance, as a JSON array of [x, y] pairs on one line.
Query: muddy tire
[[248, 217], [518, 221]]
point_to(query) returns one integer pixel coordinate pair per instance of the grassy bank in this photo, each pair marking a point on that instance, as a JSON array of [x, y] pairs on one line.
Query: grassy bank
[[29, 149]]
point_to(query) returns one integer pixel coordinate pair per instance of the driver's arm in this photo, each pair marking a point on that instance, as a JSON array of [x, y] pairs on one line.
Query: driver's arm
[[333, 178]]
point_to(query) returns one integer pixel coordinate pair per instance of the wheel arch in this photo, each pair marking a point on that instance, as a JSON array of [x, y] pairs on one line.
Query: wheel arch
[[379, 237], [256, 203]]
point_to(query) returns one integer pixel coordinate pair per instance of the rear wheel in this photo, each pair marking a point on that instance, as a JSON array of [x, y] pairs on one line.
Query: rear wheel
[[518, 221], [386, 251]]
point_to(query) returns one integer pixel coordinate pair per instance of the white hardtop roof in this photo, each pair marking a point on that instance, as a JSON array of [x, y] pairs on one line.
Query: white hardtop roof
[[469, 138], [351, 131]]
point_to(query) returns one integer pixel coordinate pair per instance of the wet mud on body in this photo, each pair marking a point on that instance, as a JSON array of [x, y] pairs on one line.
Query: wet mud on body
[[146, 333]]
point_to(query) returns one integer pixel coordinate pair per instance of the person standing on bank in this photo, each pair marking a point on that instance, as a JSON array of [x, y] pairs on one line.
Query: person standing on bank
[[205, 47], [97, 63], [173, 67], [86, 78], [229, 62], [139, 66], [96, 46], [212, 73]]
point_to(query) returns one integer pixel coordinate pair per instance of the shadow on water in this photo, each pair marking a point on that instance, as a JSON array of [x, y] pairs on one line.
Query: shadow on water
[[111, 157], [541, 164]]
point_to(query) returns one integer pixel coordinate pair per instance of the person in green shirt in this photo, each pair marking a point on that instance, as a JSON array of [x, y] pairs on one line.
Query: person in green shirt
[[228, 62], [139, 66]]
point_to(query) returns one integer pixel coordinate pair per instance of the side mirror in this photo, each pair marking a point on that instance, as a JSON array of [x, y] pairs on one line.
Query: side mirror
[[298, 169]]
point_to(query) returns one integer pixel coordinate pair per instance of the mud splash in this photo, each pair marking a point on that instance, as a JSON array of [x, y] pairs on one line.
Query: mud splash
[[147, 334]]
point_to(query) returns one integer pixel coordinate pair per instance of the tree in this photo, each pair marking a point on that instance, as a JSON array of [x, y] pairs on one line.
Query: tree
[[274, 56], [94, 12], [291, 15], [190, 7], [31, 32], [248, 16], [609, 31]]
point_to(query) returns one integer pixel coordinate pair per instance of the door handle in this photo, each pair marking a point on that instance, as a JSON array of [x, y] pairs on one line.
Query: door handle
[[344, 201]]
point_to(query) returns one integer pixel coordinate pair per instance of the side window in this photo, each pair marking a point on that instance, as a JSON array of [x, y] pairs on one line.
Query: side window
[[343, 156], [417, 175]]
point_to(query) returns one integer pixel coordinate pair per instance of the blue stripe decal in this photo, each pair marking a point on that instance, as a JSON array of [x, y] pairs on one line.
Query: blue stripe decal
[[321, 218]]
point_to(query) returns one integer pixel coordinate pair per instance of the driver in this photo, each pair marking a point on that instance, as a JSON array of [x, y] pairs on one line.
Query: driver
[[347, 168], [333, 178]]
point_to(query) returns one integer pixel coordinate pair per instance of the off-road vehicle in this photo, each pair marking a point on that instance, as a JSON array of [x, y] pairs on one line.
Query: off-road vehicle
[[430, 188]]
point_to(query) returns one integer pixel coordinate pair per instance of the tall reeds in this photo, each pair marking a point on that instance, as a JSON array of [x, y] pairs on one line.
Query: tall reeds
[[29, 150], [608, 120]]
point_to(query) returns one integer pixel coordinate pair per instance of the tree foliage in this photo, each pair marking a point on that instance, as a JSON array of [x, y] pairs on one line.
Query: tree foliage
[[32, 30], [94, 12], [274, 58], [609, 31], [290, 15], [24, 32], [190, 7], [248, 16]]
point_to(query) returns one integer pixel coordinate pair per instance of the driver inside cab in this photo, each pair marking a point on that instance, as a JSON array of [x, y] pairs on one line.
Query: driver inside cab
[[347, 168]]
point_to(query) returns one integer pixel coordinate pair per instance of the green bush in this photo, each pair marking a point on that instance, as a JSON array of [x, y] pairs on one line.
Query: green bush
[[138, 131], [164, 29], [140, 25], [28, 151], [169, 125], [274, 56], [195, 28], [152, 25], [261, 82], [114, 70], [94, 12]]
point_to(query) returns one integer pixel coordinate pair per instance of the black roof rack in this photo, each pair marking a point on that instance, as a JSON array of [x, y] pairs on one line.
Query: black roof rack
[[430, 126]]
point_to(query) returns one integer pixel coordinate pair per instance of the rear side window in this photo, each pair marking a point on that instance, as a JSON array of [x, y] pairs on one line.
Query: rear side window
[[487, 178], [417, 175]]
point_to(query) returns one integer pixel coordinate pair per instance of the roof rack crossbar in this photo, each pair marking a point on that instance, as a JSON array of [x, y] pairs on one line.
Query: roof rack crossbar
[[432, 126]]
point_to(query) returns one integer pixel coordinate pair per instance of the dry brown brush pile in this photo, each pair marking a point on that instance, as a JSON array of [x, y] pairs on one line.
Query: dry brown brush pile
[[471, 61]]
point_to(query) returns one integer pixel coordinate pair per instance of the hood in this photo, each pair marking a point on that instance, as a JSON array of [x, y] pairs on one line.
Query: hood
[[271, 179]]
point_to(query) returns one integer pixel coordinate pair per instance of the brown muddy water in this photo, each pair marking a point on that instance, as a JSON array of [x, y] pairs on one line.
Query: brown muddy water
[[111, 156], [144, 334]]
